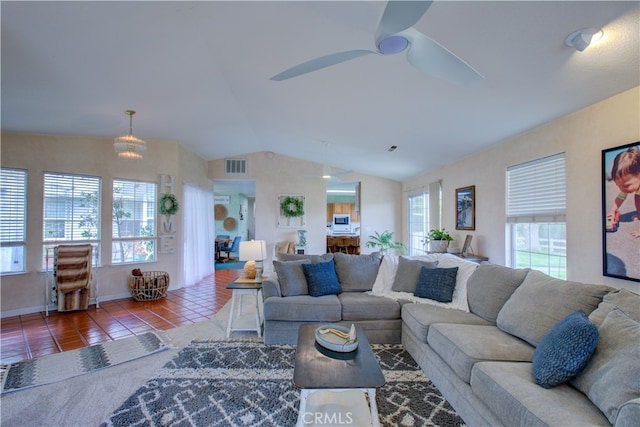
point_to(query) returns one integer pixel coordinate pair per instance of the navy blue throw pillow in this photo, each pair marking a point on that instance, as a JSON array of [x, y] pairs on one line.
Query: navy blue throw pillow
[[437, 283], [321, 279], [565, 350]]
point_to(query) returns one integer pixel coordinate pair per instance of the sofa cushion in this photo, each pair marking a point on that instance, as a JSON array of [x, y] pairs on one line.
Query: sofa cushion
[[356, 272], [510, 392], [408, 273], [629, 414], [291, 277], [321, 279], [419, 317], [462, 346], [313, 258], [303, 308], [624, 299], [612, 377], [490, 286], [437, 283], [564, 350], [542, 301], [362, 306]]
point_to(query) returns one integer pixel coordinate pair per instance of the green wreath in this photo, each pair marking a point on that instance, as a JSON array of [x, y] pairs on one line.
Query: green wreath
[[292, 207], [169, 204]]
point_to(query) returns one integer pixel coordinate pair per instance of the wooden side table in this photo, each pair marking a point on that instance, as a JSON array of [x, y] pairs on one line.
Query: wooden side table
[[237, 320]]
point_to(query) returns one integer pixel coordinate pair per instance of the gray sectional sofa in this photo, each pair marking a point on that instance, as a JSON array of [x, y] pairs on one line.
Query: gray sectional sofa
[[481, 349], [287, 303]]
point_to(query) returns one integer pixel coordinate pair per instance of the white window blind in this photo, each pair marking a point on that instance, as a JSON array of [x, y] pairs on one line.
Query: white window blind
[[71, 213], [71, 208], [536, 191], [134, 221], [13, 219]]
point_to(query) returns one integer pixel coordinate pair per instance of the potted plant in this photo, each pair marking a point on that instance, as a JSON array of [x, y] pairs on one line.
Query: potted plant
[[384, 242], [438, 240]]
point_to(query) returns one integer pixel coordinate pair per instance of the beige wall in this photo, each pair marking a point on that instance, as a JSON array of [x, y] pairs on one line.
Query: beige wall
[[582, 135], [381, 199], [23, 293]]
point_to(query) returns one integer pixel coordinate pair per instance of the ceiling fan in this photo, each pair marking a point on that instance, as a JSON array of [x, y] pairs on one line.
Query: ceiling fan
[[394, 35]]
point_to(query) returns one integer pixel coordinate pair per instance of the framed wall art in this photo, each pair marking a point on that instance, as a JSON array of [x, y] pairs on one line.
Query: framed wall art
[[621, 211], [292, 214], [466, 208]]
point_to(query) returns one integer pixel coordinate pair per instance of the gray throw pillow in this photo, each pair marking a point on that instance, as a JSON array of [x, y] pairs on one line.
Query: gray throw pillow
[[490, 286], [542, 301], [357, 272], [612, 376], [624, 299], [291, 277], [408, 274]]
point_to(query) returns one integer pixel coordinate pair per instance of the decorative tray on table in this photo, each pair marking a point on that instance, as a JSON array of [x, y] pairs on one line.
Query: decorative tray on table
[[337, 338]]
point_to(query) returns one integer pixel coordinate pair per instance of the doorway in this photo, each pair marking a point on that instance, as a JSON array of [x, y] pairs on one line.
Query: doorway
[[234, 208]]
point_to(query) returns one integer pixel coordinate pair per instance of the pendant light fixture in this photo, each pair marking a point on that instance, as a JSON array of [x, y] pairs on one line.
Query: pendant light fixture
[[326, 169], [128, 146]]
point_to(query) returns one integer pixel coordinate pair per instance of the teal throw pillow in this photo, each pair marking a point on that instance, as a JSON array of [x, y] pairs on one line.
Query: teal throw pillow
[[321, 279], [437, 284], [565, 350]]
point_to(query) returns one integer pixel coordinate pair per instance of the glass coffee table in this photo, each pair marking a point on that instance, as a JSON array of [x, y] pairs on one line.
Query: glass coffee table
[[334, 385]]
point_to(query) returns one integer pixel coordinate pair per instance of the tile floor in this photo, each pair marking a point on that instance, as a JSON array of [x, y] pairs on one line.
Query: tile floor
[[32, 335]]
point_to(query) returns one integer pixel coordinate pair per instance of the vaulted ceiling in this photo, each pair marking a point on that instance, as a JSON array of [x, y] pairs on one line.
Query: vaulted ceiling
[[199, 73]]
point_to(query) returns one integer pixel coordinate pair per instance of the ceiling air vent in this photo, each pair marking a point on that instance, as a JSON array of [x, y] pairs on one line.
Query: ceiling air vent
[[235, 166]]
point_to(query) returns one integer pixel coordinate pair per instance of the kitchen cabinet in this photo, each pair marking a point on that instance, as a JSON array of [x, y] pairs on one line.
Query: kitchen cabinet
[[342, 208]]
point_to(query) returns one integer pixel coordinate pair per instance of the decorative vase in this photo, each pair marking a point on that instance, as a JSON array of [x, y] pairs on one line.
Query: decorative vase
[[250, 269], [302, 237], [438, 246]]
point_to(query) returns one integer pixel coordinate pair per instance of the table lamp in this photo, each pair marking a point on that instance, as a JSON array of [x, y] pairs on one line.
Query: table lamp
[[254, 252]]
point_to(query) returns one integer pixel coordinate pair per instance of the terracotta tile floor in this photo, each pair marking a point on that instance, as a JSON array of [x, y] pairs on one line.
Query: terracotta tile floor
[[33, 335]]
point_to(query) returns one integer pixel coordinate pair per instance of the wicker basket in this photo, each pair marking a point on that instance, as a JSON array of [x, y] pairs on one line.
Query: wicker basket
[[152, 285]]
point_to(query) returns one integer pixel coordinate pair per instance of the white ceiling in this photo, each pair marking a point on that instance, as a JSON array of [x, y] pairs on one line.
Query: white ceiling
[[199, 73]]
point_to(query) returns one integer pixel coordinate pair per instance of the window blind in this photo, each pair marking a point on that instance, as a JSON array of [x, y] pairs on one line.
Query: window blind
[[13, 205], [71, 208], [536, 191]]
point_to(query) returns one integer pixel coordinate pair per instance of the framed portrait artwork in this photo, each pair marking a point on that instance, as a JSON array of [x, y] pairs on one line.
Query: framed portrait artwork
[[621, 211], [466, 208]]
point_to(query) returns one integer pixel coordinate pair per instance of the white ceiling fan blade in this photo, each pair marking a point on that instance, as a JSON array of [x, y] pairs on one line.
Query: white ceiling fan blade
[[398, 16], [319, 63], [432, 58]]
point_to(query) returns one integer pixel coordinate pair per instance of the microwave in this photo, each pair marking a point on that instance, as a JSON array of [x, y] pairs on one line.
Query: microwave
[[341, 222]]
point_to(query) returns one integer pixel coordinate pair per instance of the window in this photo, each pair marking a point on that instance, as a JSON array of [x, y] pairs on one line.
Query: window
[[536, 206], [13, 218], [71, 212], [418, 223], [134, 221], [425, 213]]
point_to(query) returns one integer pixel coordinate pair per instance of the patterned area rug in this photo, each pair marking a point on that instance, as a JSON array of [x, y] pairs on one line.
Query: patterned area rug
[[69, 364], [246, 384]]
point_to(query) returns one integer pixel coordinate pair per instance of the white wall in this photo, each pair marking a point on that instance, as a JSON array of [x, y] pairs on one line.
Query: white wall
[[582, 135]]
